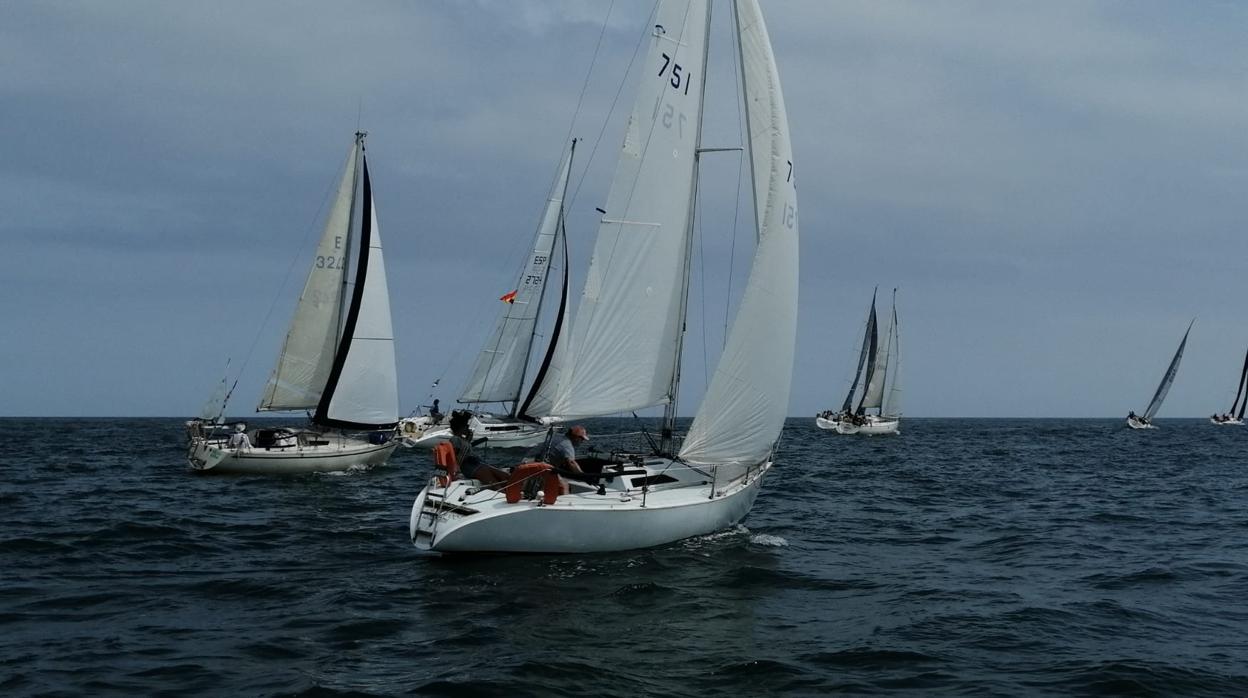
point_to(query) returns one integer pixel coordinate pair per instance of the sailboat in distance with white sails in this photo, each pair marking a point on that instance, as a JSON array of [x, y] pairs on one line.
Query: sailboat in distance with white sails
[[879, 375], [1145, 421], [499, 374], [1233, 418], [627, 333], [337, 361]]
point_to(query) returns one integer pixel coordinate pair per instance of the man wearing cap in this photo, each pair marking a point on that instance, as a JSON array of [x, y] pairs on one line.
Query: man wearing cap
[[562, 451]]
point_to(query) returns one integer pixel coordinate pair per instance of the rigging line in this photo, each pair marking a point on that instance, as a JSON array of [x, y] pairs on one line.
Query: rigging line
[[642, 40], [736, 210], [589, 73], [702, 283]]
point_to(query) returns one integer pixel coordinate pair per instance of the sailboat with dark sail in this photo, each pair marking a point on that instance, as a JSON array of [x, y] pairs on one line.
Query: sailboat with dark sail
[[879, 376], [1235, 418], [337, 361], [1145, 421], [500, 372]]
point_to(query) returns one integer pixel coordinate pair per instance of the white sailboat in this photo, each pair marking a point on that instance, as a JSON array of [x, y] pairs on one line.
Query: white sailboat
[[1145, 421], [879, 375], [627, 333], [498, 376], [1233, 418], [337, 360]]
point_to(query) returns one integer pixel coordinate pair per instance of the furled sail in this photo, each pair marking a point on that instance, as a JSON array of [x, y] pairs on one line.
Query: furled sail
[[745, 405], [626, 330], [498, 374], [362, 391], [308, 353], [1167, 379]]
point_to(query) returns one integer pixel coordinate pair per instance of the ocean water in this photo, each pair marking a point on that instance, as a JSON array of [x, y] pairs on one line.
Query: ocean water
[[989, 557]]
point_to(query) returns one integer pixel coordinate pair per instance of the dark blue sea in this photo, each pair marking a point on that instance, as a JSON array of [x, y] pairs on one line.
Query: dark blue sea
[[965, 556]]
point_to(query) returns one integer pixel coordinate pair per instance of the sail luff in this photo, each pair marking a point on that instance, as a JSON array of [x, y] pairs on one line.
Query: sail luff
[[1168, 379], [307, 355]]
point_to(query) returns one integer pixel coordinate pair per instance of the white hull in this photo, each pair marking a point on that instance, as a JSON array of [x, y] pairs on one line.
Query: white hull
[[421, 432], [1137, 424], [584, 521], [874, 426], [1227, 423], [338, 454], [418, 432]]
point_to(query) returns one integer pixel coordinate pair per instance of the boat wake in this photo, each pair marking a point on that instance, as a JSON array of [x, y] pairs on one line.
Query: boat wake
[[769, 541]]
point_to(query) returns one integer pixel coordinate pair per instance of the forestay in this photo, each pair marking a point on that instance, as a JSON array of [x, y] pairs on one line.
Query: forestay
[[626, 330], [498, 374], [745, 405], [307, 355]]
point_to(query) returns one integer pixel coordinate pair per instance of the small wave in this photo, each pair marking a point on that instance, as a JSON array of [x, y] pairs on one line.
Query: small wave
[[768, 541]]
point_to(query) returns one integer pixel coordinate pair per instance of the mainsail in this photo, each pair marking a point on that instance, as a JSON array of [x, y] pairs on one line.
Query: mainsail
[[626, 332], [892, 397], [498, 375], [307, 354], [868, 337], [877, 367], [1243, 375], [743, 412], [362, 389], [1167, 379]]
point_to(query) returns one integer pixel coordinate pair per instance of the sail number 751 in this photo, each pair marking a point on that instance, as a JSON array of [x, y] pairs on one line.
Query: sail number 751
[[677, 78]]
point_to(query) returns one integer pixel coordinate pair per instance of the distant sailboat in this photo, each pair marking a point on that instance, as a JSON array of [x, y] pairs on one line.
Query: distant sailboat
[[879, 375], [627, 332], [337, 361], [1145, 421], [498, 376], [1234, 418]]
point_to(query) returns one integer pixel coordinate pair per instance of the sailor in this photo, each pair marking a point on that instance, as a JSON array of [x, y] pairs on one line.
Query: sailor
[[238, 440], [1131, 415], [435, 413], [469, 464]]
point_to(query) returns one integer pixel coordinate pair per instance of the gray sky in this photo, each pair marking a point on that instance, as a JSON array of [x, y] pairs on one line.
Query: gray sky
[[1056, 188]]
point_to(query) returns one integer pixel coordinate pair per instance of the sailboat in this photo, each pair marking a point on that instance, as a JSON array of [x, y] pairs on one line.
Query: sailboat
[[1234, 418], [337, 361], [626, 336], [499, 372], [879, 375], [1145, 421]]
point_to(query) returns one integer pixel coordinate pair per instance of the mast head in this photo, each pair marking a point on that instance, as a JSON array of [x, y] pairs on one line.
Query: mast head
[[360, 136]]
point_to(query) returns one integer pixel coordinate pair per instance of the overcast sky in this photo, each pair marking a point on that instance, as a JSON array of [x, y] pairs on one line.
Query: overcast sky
[[1055, 188]]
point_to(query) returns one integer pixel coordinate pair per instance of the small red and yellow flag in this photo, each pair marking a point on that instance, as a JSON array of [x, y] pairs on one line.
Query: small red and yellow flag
[[508, 297]]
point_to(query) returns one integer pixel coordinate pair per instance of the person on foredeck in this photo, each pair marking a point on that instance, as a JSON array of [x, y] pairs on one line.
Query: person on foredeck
[[435, 413], [470, 465], [238, 440]]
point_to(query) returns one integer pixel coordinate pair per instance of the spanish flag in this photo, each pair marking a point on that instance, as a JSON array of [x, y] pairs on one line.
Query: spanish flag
[[508, 297]]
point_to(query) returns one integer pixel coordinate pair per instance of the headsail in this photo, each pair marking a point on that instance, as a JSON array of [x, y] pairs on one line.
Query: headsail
[[892, 396], [1168, 378], [308, 352], [745, 405], [877, 367], [362, 390], [867, 335], [627, 327], [1240, 390], [498, 374]]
